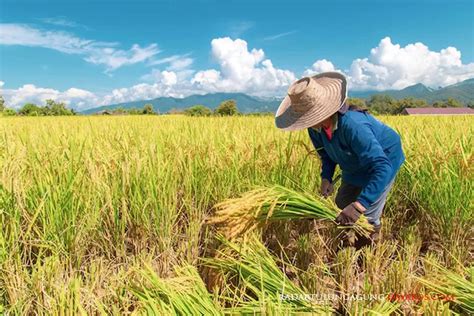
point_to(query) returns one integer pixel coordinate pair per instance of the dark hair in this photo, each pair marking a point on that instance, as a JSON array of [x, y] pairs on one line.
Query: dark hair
[[353, 107]]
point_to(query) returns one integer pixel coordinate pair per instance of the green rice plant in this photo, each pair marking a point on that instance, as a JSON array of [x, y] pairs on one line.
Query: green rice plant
[[451, 285], [243, 214], [435, 308], [184, 294], [382, 308], [435, 182], [263, 282]]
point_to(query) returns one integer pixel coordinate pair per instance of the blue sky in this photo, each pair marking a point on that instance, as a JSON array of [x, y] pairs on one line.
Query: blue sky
[[93, 52]]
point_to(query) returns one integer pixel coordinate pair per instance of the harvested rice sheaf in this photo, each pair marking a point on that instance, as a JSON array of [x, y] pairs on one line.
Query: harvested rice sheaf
[[264, 285], [455, 286], [238, 216], [184, 294]]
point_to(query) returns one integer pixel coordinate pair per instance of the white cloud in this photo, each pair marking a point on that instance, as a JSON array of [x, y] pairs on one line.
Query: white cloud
[[61, 21], [29, 93], [164, 84], [161, 84], [169, 78], [207, 78], [319, 66], [279, 35], [175, 62], [80, 99], [241, 70], [100, 53], [390, 66], [165, 77], [145, 91], [141, 91], [181, 63], [115, 59], [395, 67]]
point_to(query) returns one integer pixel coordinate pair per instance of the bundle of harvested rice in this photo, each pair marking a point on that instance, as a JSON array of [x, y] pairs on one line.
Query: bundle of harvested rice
[[238, 216], [264, 285], [458, 287], [184, 294]]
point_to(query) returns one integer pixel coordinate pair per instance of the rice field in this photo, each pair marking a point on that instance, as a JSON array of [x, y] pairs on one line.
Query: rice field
[[110, 215]]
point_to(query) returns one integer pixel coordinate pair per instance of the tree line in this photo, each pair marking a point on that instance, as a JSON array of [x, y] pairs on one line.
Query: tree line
[[385, 104], [51, 108], [226, 108], [377, 104], [146, 110]]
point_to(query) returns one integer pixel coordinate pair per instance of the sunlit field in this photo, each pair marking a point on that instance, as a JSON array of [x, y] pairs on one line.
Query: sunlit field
[[107, 215]]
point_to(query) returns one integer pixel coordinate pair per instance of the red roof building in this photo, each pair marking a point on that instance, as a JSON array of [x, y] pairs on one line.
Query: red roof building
[[438, 111]]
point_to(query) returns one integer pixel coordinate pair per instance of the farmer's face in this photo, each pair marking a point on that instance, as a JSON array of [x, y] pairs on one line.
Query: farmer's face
[[326, 124]]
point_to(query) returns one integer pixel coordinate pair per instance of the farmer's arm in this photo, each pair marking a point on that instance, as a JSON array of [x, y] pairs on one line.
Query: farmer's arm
[[328, 166], [369, 151]]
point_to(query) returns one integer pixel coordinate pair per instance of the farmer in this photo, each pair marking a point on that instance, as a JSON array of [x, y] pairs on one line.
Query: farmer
[[368, 152]]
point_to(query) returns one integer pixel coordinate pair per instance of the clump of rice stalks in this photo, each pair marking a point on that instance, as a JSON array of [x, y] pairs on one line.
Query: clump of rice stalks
[[263, 284], [184, 294], [458, 287], [243, 214], [381, 309]]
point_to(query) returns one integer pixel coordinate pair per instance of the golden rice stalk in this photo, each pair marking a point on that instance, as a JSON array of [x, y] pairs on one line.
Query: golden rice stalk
[[451, 285], [238, 216], [184, 294], [266, 285]]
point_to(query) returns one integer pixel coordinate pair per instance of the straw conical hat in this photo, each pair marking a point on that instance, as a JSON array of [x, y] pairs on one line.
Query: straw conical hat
[[311, 100]]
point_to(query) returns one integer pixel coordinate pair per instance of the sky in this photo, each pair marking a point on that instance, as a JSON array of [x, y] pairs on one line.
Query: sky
[[93, 53]]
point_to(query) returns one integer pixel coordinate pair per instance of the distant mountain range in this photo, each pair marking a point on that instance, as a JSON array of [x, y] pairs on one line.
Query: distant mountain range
[[245, 103], [462, 91]]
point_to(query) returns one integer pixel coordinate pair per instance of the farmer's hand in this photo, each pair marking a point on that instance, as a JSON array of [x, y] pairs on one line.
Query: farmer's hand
[[326, 188], [350, 214]]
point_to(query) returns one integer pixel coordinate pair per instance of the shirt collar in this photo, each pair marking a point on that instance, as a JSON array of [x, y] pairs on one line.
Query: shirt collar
[[343, 109], [335, 118]]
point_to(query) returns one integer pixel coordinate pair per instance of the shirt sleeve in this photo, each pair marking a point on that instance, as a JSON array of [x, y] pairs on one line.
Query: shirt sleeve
[[365, 145], [327, 165]]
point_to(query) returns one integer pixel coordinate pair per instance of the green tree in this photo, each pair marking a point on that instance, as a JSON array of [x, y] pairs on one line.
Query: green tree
[[227, 108], [382, 104], [8, 112], [408, 103], [356, 103], [56, 108], [470, 104], [30, 109], [198, 110], [135, 111], [450, 103], [2, 104], [438, 104], [148, 109], [453, 103]]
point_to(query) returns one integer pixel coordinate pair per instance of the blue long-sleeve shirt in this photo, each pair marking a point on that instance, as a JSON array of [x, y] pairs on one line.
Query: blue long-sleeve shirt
[[368, 152]]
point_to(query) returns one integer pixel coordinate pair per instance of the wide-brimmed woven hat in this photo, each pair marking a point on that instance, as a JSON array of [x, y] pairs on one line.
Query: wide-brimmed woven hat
[[311, 100]]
